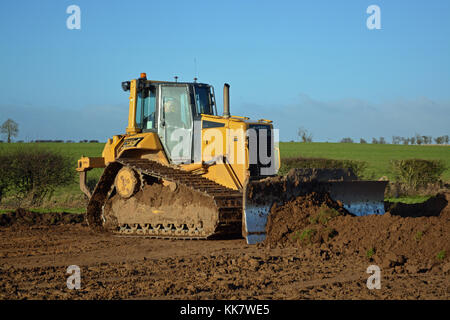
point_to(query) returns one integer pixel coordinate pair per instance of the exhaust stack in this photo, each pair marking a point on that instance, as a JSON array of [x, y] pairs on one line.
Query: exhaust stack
[[226, 100]]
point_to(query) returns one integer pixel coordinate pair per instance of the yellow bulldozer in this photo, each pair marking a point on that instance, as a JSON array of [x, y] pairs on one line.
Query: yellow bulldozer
[[183, 171]]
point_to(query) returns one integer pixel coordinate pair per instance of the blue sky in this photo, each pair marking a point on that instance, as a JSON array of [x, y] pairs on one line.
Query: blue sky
[[311, 64]]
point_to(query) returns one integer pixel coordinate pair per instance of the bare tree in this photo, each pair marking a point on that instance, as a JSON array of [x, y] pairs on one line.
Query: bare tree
[[362, 140], [441, 140], [304, 135], [10, 129], [406, 141], [426, 139], [419, 139], [347, 140], [396, 139]]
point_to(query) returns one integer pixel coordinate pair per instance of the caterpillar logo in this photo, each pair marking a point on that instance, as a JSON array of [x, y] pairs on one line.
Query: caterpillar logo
[[131, 142]]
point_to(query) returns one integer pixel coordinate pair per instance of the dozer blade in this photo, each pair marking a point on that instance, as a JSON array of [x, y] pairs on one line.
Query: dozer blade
[[358, 197]]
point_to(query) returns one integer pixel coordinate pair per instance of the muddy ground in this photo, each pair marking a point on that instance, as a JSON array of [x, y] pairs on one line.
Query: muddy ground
[[411, 250]]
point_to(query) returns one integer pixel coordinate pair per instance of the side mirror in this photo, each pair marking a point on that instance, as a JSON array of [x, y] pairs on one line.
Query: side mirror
[[126, 85]]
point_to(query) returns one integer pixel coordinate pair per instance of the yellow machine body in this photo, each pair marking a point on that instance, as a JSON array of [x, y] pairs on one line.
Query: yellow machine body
[[224, 147], [180, 170]]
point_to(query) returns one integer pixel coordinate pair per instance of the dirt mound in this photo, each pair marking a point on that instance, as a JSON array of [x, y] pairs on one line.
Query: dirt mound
[[391, 240], [298, 182], [413, 236], [28, 218], [289, 223]]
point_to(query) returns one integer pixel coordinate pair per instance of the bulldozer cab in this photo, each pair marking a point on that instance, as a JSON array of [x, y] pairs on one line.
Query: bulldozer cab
[[172, 110]]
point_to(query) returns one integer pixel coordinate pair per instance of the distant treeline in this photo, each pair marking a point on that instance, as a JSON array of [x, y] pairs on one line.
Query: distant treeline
[[415, 140], [57, 141]]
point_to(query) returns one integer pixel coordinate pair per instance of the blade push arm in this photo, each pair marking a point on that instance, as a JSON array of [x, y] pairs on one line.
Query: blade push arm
[[84, 165]]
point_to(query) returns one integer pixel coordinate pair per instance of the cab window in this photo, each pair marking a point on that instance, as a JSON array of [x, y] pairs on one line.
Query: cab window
[[203, 100], [176, 107], [145, 109]]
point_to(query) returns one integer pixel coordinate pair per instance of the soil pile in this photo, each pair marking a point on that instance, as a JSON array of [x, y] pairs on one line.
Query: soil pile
[[303, 219], [413, 236], [418, 233], [28, 218], [284, 188]]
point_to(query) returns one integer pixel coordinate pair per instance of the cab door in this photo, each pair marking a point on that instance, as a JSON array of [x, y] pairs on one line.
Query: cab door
[[176, 122]]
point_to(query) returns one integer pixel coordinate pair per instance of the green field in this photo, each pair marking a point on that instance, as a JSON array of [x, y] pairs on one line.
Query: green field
[[69, 197], [376, 156]]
